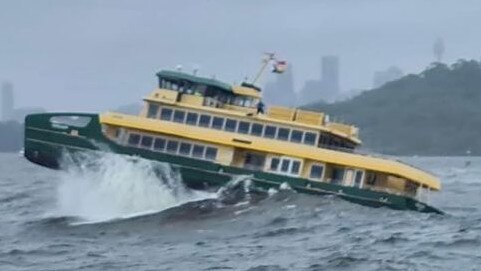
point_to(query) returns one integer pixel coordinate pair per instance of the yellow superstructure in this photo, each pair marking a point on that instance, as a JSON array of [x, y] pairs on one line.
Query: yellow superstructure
[[207, 119]]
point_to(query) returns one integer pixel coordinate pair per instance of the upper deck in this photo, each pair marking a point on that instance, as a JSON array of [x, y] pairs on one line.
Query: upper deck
[[187, 91]]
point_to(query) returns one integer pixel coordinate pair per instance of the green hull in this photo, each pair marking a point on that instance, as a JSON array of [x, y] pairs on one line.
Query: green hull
[[46, 143]]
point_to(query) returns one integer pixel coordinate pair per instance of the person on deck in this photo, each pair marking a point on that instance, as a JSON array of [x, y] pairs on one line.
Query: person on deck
[[260, 108]]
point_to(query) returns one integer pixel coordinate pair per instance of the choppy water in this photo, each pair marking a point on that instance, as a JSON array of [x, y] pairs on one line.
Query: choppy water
[[126, 215]]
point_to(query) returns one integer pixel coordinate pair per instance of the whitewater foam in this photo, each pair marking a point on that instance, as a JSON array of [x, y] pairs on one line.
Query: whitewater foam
[[109, 187]]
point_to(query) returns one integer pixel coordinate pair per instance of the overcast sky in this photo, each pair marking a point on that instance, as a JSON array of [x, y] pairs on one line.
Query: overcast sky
[[94, 55]]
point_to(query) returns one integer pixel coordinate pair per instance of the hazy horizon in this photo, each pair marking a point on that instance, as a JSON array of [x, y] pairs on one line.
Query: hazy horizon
[[94, 55]]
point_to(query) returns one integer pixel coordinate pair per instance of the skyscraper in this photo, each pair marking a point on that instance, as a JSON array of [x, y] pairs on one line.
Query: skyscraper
[[327, 87], [438, 49], [7, 101], [330, 74]]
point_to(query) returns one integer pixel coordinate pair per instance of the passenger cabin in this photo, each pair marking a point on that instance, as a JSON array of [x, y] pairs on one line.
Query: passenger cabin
[[209, 120]]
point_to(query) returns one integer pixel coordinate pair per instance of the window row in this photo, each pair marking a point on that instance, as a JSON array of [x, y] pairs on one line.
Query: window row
[[172, 146], [285, 165], [233, 125]]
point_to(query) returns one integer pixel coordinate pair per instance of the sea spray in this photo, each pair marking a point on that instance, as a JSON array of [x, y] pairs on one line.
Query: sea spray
[[108, 186]]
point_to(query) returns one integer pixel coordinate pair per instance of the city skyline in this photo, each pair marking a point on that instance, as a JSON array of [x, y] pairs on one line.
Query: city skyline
[[92, 56]]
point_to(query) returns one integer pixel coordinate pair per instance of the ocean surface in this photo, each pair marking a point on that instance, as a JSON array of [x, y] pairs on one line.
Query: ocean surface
[[123, 214]]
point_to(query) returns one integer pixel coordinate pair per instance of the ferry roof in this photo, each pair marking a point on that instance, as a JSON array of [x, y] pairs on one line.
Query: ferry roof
[[283, 148], [175, 75]]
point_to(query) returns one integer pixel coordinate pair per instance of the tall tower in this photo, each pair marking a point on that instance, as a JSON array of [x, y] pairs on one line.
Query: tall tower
[[330, 74], [438, 49], [7, 101]]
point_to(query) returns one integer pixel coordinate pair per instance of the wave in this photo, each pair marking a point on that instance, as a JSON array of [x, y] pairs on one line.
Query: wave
[[98, 188]]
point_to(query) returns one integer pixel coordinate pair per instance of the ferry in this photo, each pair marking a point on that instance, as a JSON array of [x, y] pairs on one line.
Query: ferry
[[211, 131]]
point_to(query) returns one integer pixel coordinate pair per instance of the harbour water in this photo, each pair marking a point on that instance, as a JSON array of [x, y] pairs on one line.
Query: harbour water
[[123, 214]]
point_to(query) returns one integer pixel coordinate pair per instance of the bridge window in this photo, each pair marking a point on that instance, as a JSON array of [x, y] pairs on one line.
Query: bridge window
[[146, 141], [217, 123], [230, 125], [296, 136], [257, 129], [243, 127], [166, 114], [204, 121], [192, 118], [283, 134], [74, 121], [179, 116], [152, 111], [134, 139]]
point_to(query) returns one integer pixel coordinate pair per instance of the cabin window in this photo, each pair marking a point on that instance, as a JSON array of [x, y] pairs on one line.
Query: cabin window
[[152, 111], [230, 125], [198, 151], [146, 141], [257, 129], [310, 138], [337, 175], [217, 123], [185, 148], [254, 161], [243, 127], [179, 116], [210, 153], [172, 146], [285, 165], [316, 172], [283, 134], [358, 178], [134, 139], [296, 136], [275, 164], [371, 178], [296, 165], [159, 144], [192, 118], [204, 121], [270, 131], [166, 114]]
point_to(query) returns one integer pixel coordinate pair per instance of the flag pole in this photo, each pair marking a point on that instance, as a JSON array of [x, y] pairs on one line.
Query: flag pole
[[270, 56]]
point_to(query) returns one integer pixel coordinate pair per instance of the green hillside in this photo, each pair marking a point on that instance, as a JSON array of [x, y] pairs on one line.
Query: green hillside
[[437, 112]]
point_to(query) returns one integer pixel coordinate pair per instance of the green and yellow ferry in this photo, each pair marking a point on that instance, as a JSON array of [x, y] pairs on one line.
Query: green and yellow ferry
[[211, 131]]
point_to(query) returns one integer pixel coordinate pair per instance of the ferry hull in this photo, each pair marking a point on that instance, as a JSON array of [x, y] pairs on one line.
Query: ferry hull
[[45, 144]]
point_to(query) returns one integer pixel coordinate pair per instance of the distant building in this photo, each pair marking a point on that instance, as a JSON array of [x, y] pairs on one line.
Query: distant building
[[438, 49], [281, 91], [390, 74], [330, 74], [327, 87], [7, 101], [9, 112]]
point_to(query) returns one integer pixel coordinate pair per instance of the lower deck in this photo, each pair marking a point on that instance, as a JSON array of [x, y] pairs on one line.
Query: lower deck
[[297, 167]]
